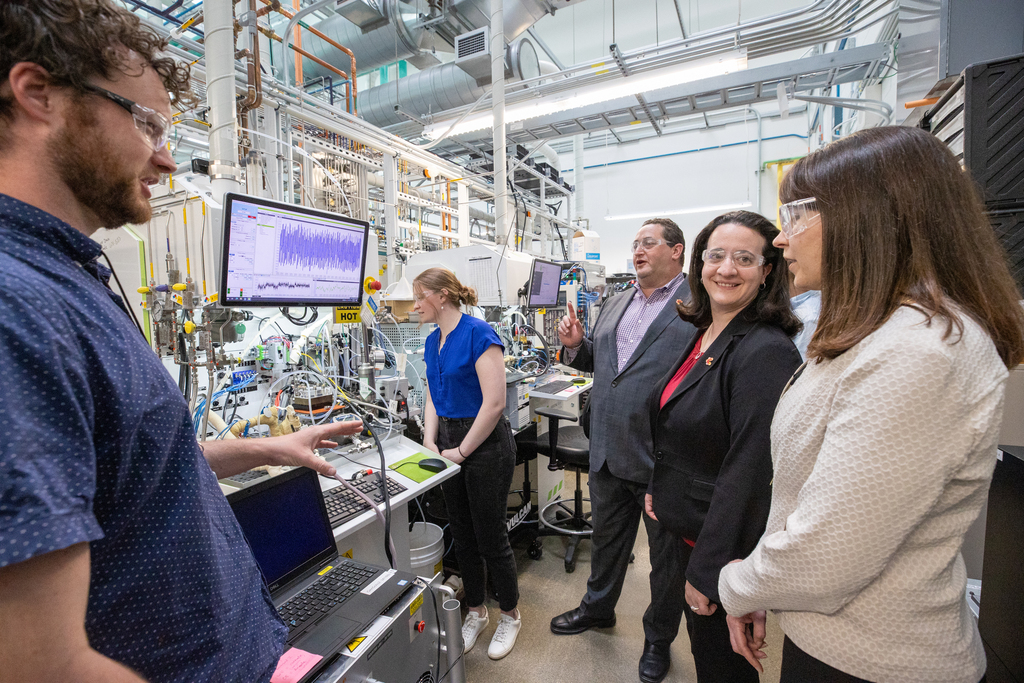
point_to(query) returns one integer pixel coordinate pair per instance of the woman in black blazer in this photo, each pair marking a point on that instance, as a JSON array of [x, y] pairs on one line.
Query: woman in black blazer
[[711, 417]]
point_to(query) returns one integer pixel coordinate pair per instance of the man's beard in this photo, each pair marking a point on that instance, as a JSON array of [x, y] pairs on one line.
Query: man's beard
[[94, 174]]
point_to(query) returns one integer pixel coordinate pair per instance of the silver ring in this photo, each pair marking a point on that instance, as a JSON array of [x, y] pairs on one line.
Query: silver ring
[[695, 608]]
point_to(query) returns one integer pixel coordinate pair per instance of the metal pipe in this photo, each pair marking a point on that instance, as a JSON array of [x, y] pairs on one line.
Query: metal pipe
[[757, 206], [547, 50], [220, 97], [298, 50], [292, 24], [577, 174], [454, 647], [352, 97], [498, 112], [254, 80], [679, 13]]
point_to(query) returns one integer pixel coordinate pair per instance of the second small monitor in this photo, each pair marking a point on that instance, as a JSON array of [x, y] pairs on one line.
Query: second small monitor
[[544, 283]]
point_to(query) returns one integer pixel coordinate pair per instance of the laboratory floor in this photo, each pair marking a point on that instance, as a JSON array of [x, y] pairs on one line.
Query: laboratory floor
[[596, 656]]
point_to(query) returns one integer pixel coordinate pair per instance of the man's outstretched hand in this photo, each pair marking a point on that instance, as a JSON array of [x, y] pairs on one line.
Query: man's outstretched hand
[[570, 330]]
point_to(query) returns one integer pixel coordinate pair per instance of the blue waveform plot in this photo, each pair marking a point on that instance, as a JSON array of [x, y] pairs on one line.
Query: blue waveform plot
[[321, 249], [283, 285]]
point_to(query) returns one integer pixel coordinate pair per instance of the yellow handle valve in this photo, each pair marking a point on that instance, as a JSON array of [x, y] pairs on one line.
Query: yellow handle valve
[[180, 287], [189, 326], [143, 290]]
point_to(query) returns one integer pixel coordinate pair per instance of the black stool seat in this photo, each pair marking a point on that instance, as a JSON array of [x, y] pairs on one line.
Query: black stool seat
[[573, 447]]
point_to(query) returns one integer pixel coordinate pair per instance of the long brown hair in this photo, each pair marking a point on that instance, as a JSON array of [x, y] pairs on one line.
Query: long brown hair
[[903, 223], [770, 306], [439, 279]]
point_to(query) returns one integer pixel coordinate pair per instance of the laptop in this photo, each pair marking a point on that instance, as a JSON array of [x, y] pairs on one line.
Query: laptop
[[324, 599]]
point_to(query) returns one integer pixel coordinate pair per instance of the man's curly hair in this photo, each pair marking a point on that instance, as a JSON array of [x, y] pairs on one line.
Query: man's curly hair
[[78, 39]]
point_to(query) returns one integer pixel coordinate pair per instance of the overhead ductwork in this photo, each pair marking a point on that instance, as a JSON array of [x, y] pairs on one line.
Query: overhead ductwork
[[402, 34], [441, 88], [397, 38]]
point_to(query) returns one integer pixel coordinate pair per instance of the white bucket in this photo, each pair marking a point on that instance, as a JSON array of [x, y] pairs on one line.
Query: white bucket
[[426, 549]]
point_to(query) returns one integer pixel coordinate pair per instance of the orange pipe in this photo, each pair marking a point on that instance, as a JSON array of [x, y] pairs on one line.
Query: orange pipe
[[352, 92], [921, 103], [273, 36], [297, 41]]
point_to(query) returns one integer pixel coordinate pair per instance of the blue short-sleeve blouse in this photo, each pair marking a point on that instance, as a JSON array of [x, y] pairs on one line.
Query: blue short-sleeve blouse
[[451, 371]]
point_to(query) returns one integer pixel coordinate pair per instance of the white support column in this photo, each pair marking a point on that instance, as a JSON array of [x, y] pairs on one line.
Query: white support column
[[502, 232], [545, 224], [577, 176], [220, 97], [463, 218], [391, 213]]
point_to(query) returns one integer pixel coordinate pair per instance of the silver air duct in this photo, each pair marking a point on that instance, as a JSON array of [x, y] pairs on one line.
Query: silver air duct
[[441, 88], [395, 39], [400, 35]]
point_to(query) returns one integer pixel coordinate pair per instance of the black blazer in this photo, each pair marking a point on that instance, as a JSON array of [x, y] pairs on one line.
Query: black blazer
[[712, 448]]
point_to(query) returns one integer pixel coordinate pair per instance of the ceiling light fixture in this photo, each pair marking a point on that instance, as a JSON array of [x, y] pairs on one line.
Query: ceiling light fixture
[[678, 212], [600, 92]]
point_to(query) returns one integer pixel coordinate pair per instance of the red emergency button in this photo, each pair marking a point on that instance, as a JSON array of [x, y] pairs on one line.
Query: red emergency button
[[420, 625], [371, 285]]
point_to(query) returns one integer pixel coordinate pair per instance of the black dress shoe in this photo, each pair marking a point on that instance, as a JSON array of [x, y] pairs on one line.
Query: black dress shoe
[[576, 621], [654, 663]]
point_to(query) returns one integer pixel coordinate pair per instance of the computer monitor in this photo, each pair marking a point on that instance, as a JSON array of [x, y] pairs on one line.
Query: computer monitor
[[277, 254], [544, 282]]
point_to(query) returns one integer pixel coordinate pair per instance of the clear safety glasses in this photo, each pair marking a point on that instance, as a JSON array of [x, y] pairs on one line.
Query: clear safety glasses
[[795, 217], [152, 124]]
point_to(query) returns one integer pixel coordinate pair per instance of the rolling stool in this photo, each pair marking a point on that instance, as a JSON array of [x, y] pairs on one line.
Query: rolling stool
[[568, 450]]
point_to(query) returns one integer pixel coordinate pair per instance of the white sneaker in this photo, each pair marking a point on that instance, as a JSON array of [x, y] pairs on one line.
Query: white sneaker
[[504, 636], [472, 627]]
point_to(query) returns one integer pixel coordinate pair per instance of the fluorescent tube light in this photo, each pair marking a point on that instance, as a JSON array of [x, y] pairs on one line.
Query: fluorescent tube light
[[678, 212], [600, 92]]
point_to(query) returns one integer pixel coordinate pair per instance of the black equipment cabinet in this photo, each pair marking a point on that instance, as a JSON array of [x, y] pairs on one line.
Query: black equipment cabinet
[[981, 118], [1001, 618]]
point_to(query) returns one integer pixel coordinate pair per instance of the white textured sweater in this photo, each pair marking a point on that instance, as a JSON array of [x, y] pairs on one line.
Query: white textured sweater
[[883, 458]]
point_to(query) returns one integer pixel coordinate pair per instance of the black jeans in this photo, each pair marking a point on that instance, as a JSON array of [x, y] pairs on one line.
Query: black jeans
[[800, 667], [618, 506], [477, 500]]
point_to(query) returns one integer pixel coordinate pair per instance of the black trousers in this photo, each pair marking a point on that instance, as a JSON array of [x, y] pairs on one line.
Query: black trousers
[[710, 645], [477, 499], [800, 667], [618, 506]]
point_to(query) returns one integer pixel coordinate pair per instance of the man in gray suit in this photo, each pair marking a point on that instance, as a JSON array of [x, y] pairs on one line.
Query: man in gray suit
[[636, 340]]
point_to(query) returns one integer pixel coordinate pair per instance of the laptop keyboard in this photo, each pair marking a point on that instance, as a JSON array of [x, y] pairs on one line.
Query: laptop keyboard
[[554, 387], [320, 598], [343, 505]]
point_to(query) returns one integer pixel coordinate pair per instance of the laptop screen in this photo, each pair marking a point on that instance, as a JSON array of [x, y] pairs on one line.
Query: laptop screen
[[286, 524]]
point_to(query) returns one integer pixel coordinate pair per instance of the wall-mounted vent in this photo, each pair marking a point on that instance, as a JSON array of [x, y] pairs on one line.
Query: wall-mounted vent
[[473, 54], [471, 44]]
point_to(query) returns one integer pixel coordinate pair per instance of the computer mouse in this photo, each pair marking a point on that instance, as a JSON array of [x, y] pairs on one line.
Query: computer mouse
[[433, 464], [579, 381]]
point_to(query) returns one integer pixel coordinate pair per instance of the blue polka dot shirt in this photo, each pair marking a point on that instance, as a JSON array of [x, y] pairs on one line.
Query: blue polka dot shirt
[[103, 452]]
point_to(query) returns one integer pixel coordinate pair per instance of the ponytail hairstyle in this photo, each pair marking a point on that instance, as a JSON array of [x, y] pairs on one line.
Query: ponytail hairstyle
[[446, 285]]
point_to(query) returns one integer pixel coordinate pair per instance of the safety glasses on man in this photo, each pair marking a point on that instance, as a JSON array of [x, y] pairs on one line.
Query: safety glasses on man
[[151, 124], [797, 216]]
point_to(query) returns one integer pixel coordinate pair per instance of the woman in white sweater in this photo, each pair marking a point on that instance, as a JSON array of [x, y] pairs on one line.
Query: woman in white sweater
[[884, 443]]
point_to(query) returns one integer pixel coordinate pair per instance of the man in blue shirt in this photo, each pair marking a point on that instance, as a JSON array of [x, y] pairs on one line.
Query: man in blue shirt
[[120, 559]]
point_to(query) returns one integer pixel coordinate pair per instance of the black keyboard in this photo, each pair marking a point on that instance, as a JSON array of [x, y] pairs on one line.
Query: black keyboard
[[343, 505], [320, 598], [554, 387], [245, 477]]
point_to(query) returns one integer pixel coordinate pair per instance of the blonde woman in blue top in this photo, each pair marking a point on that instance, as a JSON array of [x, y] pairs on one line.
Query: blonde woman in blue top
[[464, 423]]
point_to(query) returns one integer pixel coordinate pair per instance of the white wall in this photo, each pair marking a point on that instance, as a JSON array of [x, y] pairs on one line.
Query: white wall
[[672, 177]]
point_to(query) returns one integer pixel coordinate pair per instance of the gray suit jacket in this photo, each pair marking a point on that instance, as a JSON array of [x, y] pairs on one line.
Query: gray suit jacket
[[620, 425]]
